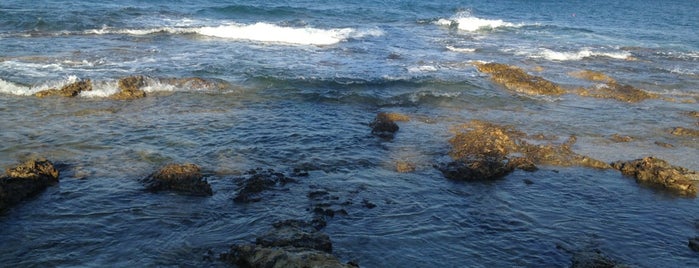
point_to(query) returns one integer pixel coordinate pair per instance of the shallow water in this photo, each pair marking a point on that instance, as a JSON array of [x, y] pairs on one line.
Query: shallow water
[[308, 105]]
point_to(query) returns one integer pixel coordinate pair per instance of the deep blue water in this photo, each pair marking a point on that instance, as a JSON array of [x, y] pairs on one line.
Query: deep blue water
[[303, 80]]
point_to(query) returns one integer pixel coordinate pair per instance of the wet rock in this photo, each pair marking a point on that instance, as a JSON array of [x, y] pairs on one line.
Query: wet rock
[[292, 243], [181, 178], [685, 132], [694, 243], [592, 76], [664, 144], [614, 90], [593, 259], [70, 90], [483, 150], [196, 83], [528, 181], [692, 113], [258, 181], [620, 138], [383, 126], [26, 180], [404, 167], [658, 172], [368, 204], [130, 88], [516, 79]]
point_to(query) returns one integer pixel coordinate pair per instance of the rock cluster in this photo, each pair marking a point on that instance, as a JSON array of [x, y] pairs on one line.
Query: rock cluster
[[257, 181], [26, 180], [181, 178], [292, 243], [658, 172], [130, 88], [70, 90]]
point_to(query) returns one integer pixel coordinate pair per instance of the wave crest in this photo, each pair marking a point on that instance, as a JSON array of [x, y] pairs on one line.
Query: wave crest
[[466, 22]]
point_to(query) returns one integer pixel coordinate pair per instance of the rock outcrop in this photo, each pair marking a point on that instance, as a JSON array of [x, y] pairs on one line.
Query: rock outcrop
[[130, 88], [516, 79], [685, 132], [292, 243], [181, 178], [258, 181], [384, 126], [70, 90], [483, 151], [26, 180], [657, 172]]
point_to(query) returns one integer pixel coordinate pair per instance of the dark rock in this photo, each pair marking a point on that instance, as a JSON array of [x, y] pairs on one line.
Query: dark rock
[[516, 79], [297, 234], [694, 243], [257, 181], [476, 170], [528, 181], [181, 178], [658, 172], [26, 180], [593, 259], [259, 256], [70, 90], [383, 126], [130, 88], [368, 204]]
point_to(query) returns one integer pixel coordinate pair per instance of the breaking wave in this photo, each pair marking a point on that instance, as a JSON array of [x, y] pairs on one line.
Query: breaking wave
[[466, 22]]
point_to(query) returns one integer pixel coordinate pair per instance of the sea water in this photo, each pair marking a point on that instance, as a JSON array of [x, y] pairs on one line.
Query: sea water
[[302, 81]]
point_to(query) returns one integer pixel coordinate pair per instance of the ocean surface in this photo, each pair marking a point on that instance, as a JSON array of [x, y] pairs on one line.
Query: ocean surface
[[297, 84]]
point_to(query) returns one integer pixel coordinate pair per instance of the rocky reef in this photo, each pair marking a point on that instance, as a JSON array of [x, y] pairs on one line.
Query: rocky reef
[[70, 90], [610, 89], [483, 150], [256, 182], [130, 88], [291, 243], [516, 79], [657, 172], [26, 180], [180, 178]]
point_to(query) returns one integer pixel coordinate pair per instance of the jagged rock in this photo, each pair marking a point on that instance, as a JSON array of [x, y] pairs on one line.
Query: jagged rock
[[483, 150], [297, 234], [70, 90], [383, 126], [26, 180], [658, 172], [130, 88], [614, 90], [685, 132], [181, 178], [694, 243], [516, 79], [257, 181]]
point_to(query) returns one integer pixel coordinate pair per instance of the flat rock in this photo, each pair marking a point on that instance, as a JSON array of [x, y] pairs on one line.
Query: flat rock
[[516, 79], [181, 178]]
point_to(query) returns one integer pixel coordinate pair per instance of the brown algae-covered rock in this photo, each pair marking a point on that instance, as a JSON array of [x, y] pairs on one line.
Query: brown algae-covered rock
[[384, 126], [516, 79], [130, 88], [614, 90], [592, 76], [181, 178], [26, 180], [70, 90], [685, 132], [658, 172]]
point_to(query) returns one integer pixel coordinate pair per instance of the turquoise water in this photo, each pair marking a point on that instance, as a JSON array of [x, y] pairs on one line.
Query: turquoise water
[[303, 80]]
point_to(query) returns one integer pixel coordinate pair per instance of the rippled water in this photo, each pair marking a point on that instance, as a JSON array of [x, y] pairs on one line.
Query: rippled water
[[307, 105]]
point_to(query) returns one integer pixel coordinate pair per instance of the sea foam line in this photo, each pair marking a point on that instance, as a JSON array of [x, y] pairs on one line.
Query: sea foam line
[[579, 55]]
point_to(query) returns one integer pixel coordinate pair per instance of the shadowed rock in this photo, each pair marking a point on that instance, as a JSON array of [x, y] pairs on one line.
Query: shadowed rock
[[694, 243], [70, 90], [297, 234], [593, 259], [384, 126], [181, 178], [516, 79], [658, 172], [483, 150], [130, 88], [26, 180], [257, 181], [685, 132]]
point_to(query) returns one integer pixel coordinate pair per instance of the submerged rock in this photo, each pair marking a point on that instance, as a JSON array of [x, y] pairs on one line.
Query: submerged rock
[[483, 150], [70, 90], [384, 126], [658, 172], [130, 88], [592, 76], [404, 167], [26, 180], [257, 181], [694, 243], [593, 259], [685, 132], [620, 138], [292, 243], [620, 92], [181, 178], [196, 83], [516, 79]]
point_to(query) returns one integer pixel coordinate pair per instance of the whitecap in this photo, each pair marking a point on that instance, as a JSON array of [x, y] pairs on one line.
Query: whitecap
[[7, 87], [466, 22], [579, 55], [461, 50], [265, 32]]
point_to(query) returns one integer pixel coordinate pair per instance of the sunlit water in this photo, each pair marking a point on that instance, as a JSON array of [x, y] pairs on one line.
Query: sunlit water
[[306, 103]]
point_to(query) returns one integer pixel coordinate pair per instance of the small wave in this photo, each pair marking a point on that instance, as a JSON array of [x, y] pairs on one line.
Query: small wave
[[422, 68], [579, 55], [466, 22], [461, 50], [13, 89]]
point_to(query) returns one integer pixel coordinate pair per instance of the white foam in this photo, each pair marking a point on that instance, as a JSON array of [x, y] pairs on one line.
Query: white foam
[[466, 22], [422, 68], [265, 32], [14, 89], [579, 55], [461, 50]]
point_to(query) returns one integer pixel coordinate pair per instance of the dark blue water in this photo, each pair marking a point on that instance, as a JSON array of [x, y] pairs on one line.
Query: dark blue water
[[302, 81]]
